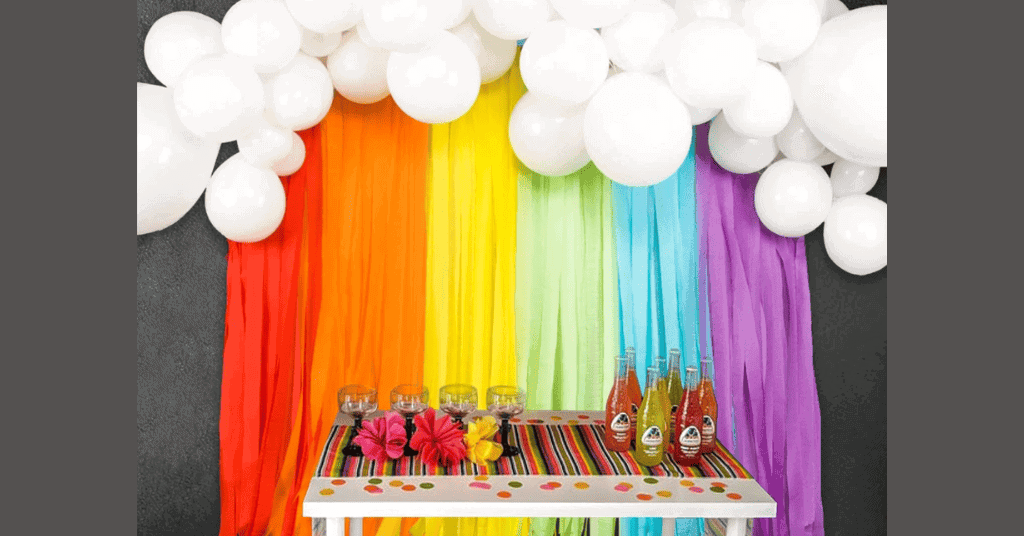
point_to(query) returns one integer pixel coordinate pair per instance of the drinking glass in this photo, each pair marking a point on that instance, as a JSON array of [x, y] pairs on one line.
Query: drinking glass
[[357, 401], [457, 400], [409, 400], [505, 402]]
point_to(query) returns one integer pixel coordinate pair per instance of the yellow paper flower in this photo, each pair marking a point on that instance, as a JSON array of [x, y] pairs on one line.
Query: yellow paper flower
[[479, 447]]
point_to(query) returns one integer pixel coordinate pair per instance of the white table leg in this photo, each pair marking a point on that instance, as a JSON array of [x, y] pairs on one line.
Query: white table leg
[[355, 526], [668, 526], [737, 526], [334, 526]]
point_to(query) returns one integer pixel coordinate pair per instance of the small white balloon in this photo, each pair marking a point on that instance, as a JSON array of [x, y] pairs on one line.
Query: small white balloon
[[319, 45], [637, 41], [403, 25], [766, 108], [710, 63], [512, 19], [782, 29], [636, 130], [265, 145], [437, 84], [326, 16], [717, 9], [359, 72], [453, 12], [177, 40], [736, 153], [494, 55], [546, 137], [245, 203], [796, 141], [851, 178], [262, 32], [300, 95], [564, 62], [219, 98], [291, 161], [592, 13], [826, 158], [857, 234], [699, 116], [792, 198], [172, 164], [833, 8]]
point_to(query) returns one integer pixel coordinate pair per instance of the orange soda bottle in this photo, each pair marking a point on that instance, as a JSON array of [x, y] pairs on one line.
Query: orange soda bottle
[[633, 386], [686, 450], [618, 411], [709, 405]]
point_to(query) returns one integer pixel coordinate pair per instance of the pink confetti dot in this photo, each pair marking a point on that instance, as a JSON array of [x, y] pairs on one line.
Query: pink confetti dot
[[697, 489], [547, 487], [480, 485], [622, 487], [373, 489]]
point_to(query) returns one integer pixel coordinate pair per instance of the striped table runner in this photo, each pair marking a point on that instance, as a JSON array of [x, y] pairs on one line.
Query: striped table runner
[[571, 450]]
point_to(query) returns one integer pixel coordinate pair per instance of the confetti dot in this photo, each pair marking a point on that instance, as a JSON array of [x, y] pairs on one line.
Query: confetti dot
[[554, 484], [717, 489], [651, 480], [514, 484], [622, 487], [480, 485], [718, 484], [734, 496], [427, 485], [581, 485], [584, 417], [375, 481], [408, 487], [697, 489], [338, 482], [685, 482], [556, 418], [480, 477], [546, 487], [327, 492], [515, 420], [395, 483], [373, 489], [664, 493], [643, 496], [504, 494]]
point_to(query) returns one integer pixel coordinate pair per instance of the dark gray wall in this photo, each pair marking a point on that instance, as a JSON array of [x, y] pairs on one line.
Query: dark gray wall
[[180, 336]]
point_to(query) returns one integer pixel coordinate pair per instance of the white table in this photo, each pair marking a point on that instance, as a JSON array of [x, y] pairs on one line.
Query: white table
[[338, 499]]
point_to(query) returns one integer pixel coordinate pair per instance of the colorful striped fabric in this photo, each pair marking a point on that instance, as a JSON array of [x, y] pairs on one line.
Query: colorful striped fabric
[[569, 450]]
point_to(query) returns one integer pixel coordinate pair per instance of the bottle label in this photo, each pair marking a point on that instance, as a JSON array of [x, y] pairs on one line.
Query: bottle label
[[620, 423], [708, 431], [651, 437], [689, 441]]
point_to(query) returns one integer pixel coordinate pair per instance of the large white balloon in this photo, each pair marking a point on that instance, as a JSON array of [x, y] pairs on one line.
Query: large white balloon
[[851, 178], [178, 40], [591, 13], [833, 8], [546, 137], [319, 45], [437, 84], [840, 85], [495, 55], [300, 94], [637, 41], [792, 198], [326, 16], [219, 98], [245, 203], [826, 158], [564, 62], [359, 71], [857, 234], [766, 109], [796, 141], [452, 12], [736, 153], [512, 19], [710, 63], [172, 164], [636, 130], [262, 32], [782, 29], [699, 116], [293, 160], [403, 25], [267, 144], [710, 9]]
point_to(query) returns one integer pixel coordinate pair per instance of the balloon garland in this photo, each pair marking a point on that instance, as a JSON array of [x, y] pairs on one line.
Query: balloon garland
[[789, 86]]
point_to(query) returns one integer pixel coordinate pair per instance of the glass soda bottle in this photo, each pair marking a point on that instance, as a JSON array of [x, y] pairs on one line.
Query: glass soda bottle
[[675, 388], [650, 426], [618, 412], [709, 406], [689, 420], [662, 365], [633, 385]]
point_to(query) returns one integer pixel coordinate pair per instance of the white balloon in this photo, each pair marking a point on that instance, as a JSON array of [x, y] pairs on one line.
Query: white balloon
[[766, 108], [172, 164], [826, 158], [177, 40], [359, 71], [710, 63], [636, 130], [437, 84], [512, 19], [796, 141], [833, 8], [840, 85], [494, 55], [265, 145], [699, 116], [591, 13], [792, 198], [326, 16], [857, 234], [851, 178], [564, 62], [547, 137], [453, 12], [319, 45], [404, 25], [717, 9], [738, 154], [245, 203], [782, 29], [291, 161], [219, 98], [262, 32], [637, 41], [300, 95]]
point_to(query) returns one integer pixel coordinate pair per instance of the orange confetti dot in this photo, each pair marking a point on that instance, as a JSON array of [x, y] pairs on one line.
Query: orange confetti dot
[[626, 485], [504, 494], [554, 484], [408, 487], [643, 496], [480, 477], [338, 482], [581, 485], [734, 496], [327, 492], [718, 484], [395, 483], [686, 483], [556, 418], [664, 493]]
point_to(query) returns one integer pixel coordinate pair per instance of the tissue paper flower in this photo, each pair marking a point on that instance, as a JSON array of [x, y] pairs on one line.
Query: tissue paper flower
[[383, 437], [479, 447], [438, 439]]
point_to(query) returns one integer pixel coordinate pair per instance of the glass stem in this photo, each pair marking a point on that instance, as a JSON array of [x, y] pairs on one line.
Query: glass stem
[[506, 428], [408, 436]]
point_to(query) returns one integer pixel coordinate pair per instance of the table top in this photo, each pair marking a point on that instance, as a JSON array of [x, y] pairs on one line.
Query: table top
[[405, 492]]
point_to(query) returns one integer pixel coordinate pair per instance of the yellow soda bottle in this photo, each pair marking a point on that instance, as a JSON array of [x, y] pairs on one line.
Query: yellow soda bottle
[[662, 365], [675, 389], [650, 426]]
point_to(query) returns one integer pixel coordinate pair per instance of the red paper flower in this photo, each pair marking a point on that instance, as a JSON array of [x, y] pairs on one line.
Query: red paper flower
[[383, 437], [438, 439]]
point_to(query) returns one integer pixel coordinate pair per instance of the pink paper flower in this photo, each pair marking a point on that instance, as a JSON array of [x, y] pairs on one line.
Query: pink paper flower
[[383, 437], [438, 439]]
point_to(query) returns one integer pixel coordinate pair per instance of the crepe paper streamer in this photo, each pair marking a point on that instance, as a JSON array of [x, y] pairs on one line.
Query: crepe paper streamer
[[764, 378], [470, 274]]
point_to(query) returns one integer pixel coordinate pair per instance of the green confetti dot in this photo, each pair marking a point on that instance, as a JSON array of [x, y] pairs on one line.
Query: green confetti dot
[[375, 481], [651, 480], [514, 484], [426, 485], [717, 489]]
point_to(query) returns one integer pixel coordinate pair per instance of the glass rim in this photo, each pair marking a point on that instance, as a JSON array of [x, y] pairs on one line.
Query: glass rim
[[357, 389], [506, 390], [409, 389]]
